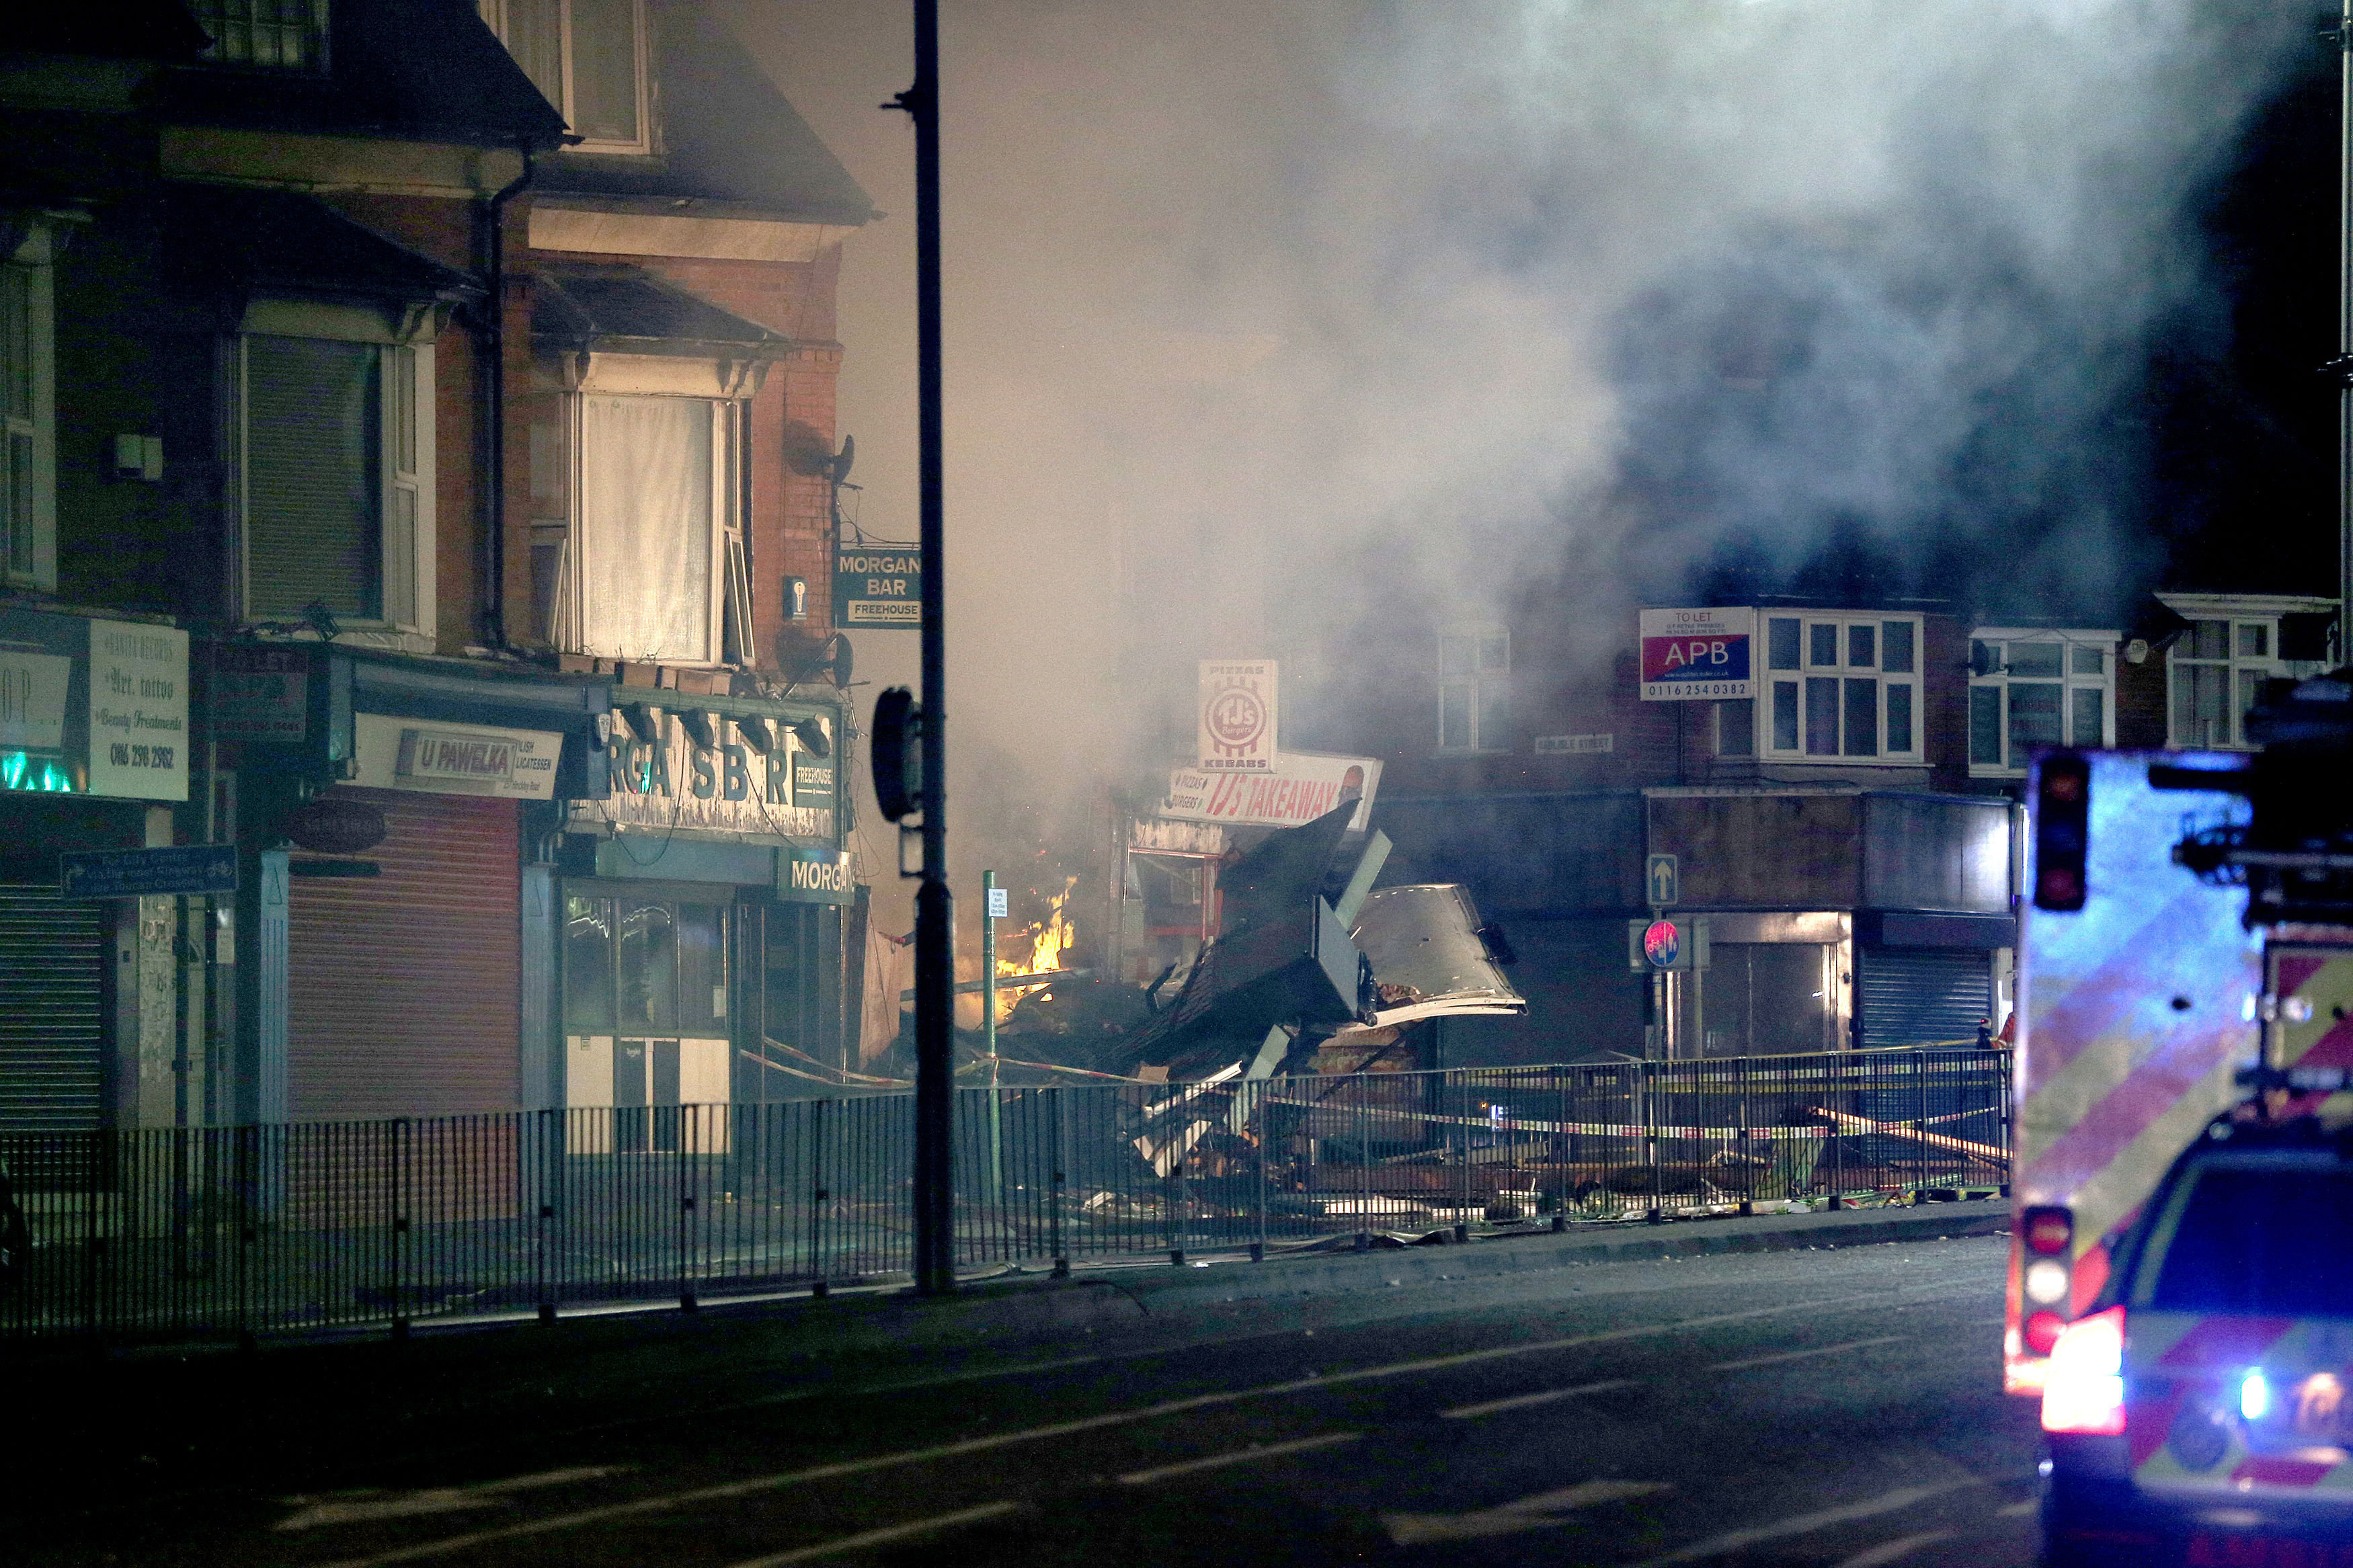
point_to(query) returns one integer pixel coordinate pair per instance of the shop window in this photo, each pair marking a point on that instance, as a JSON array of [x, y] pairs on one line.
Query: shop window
[[2038, 690], [588, 57], [28, 441], [1841, 688], [1474, 676], [337, 465], [277, 35], [656, 569], [2215, 673]]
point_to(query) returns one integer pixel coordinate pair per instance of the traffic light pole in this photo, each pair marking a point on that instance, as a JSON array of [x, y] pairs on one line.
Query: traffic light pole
[[934, 905]]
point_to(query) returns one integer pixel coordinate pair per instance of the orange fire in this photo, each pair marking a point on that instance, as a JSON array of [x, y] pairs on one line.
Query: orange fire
[[1047, 940]]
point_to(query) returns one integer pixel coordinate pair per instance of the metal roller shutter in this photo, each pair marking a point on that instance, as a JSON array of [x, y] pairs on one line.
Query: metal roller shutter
[[403, 990], [1911, 996], [52, 965]]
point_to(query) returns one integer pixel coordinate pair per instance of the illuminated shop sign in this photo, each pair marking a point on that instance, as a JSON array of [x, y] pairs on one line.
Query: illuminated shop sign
[[90, 707]]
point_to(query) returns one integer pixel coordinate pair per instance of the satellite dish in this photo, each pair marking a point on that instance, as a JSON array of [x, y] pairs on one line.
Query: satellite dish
[[838, 469]]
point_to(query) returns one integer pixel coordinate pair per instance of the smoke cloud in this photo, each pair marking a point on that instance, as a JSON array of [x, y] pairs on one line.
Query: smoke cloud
[[1268, 323]]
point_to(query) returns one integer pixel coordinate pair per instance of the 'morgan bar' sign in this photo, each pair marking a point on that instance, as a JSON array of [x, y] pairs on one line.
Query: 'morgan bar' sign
[[1697, 655]]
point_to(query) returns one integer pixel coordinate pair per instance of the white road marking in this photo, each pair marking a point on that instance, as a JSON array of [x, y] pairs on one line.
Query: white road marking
[[1805, 1523], [880, 1537], [363, 1509], [1518, 1400], [2016, 1509], [1542, 1511], [1748, 1362], [1239, 1456], [1889, 1551], [962, 1446]]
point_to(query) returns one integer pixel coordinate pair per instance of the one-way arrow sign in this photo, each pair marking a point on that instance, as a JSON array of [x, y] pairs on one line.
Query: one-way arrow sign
[[1544, 1510], [1661, 876]]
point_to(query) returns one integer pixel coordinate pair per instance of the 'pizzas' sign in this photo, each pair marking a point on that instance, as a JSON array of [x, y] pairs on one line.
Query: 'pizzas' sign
[[1238, 716]]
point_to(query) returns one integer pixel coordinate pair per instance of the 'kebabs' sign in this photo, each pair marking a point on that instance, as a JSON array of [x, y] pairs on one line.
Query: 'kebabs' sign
[[1238, 714], [1693, 656]]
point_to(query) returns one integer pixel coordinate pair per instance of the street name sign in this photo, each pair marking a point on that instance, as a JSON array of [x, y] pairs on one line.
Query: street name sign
[[143, 873]]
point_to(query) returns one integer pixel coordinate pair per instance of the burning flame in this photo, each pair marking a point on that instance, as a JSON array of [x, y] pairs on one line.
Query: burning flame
[[1049, 939]]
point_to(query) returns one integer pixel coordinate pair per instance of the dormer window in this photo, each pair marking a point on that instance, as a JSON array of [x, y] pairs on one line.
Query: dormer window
[[589, 58], [276, 35]]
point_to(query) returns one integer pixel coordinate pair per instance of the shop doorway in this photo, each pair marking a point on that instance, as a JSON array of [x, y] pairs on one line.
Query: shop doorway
[[646, 1029]]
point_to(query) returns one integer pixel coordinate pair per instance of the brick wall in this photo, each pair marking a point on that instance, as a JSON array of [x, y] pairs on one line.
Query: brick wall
[[2140, 703]]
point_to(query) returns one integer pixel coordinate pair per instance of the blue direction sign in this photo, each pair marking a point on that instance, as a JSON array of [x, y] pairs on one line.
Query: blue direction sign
[[141, 873]]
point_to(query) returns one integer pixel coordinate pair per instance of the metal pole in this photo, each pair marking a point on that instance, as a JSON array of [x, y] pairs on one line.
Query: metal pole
[[2345, 333], [988, 1033], [934, 904]]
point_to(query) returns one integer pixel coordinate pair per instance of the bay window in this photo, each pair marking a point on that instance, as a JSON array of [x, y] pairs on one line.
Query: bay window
[[2039, 688], [335, 454], [2217, 667], [1841, 688], [654, 567], [282, 34]]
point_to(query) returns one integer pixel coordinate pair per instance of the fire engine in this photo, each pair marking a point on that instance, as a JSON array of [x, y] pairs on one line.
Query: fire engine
[[2179, 1293]]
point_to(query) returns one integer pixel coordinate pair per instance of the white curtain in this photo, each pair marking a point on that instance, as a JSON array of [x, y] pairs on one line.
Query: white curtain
[[646, 528]]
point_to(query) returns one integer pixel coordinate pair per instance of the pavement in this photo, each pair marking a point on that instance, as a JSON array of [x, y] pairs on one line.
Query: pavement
[[1038, 1420]]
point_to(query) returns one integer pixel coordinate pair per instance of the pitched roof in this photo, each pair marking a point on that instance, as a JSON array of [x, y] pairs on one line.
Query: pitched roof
[[727, 135], [277, 240], [629, 309]]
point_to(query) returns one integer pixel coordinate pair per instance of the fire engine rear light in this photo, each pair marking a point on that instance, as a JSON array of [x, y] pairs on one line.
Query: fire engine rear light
[[2049, 1230], [2046, 1281], [2042, 1331], [2084, 1391]]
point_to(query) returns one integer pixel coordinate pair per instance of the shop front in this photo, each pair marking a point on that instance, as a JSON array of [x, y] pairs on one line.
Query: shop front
[[93, 756], [392, 812], [702, 954]]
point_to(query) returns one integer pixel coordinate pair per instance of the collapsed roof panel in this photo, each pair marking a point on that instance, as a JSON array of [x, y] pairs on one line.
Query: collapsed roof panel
[[1428, 959]]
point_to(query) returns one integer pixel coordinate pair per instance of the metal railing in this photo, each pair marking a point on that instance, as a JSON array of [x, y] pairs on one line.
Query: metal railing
[[250, 1230]]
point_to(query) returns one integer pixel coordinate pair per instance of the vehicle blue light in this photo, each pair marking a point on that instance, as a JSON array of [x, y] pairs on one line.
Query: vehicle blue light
[[2255, 1394]]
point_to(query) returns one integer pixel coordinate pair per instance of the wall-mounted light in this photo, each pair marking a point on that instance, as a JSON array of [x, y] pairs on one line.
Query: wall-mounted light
[[810, 733], [2136, 651], [756, 734], [703, 729], [644, 722]]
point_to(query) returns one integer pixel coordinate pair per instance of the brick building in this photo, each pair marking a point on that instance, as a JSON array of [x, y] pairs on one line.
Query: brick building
[[525, 765]]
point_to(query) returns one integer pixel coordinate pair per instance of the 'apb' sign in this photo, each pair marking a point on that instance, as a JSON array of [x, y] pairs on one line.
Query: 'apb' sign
[[1691, 656], [1238, 716], [877, 585]]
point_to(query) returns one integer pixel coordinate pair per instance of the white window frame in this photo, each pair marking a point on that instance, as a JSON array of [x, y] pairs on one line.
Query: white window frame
[[28, 543], [494, 14], [402, 340], [2070, 640], [1477, 685], [574, 631], [311, 30], [2242, 613], [1843, 621]]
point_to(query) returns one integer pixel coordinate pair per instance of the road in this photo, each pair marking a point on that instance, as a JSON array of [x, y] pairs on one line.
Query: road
[[1833, 1407]]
